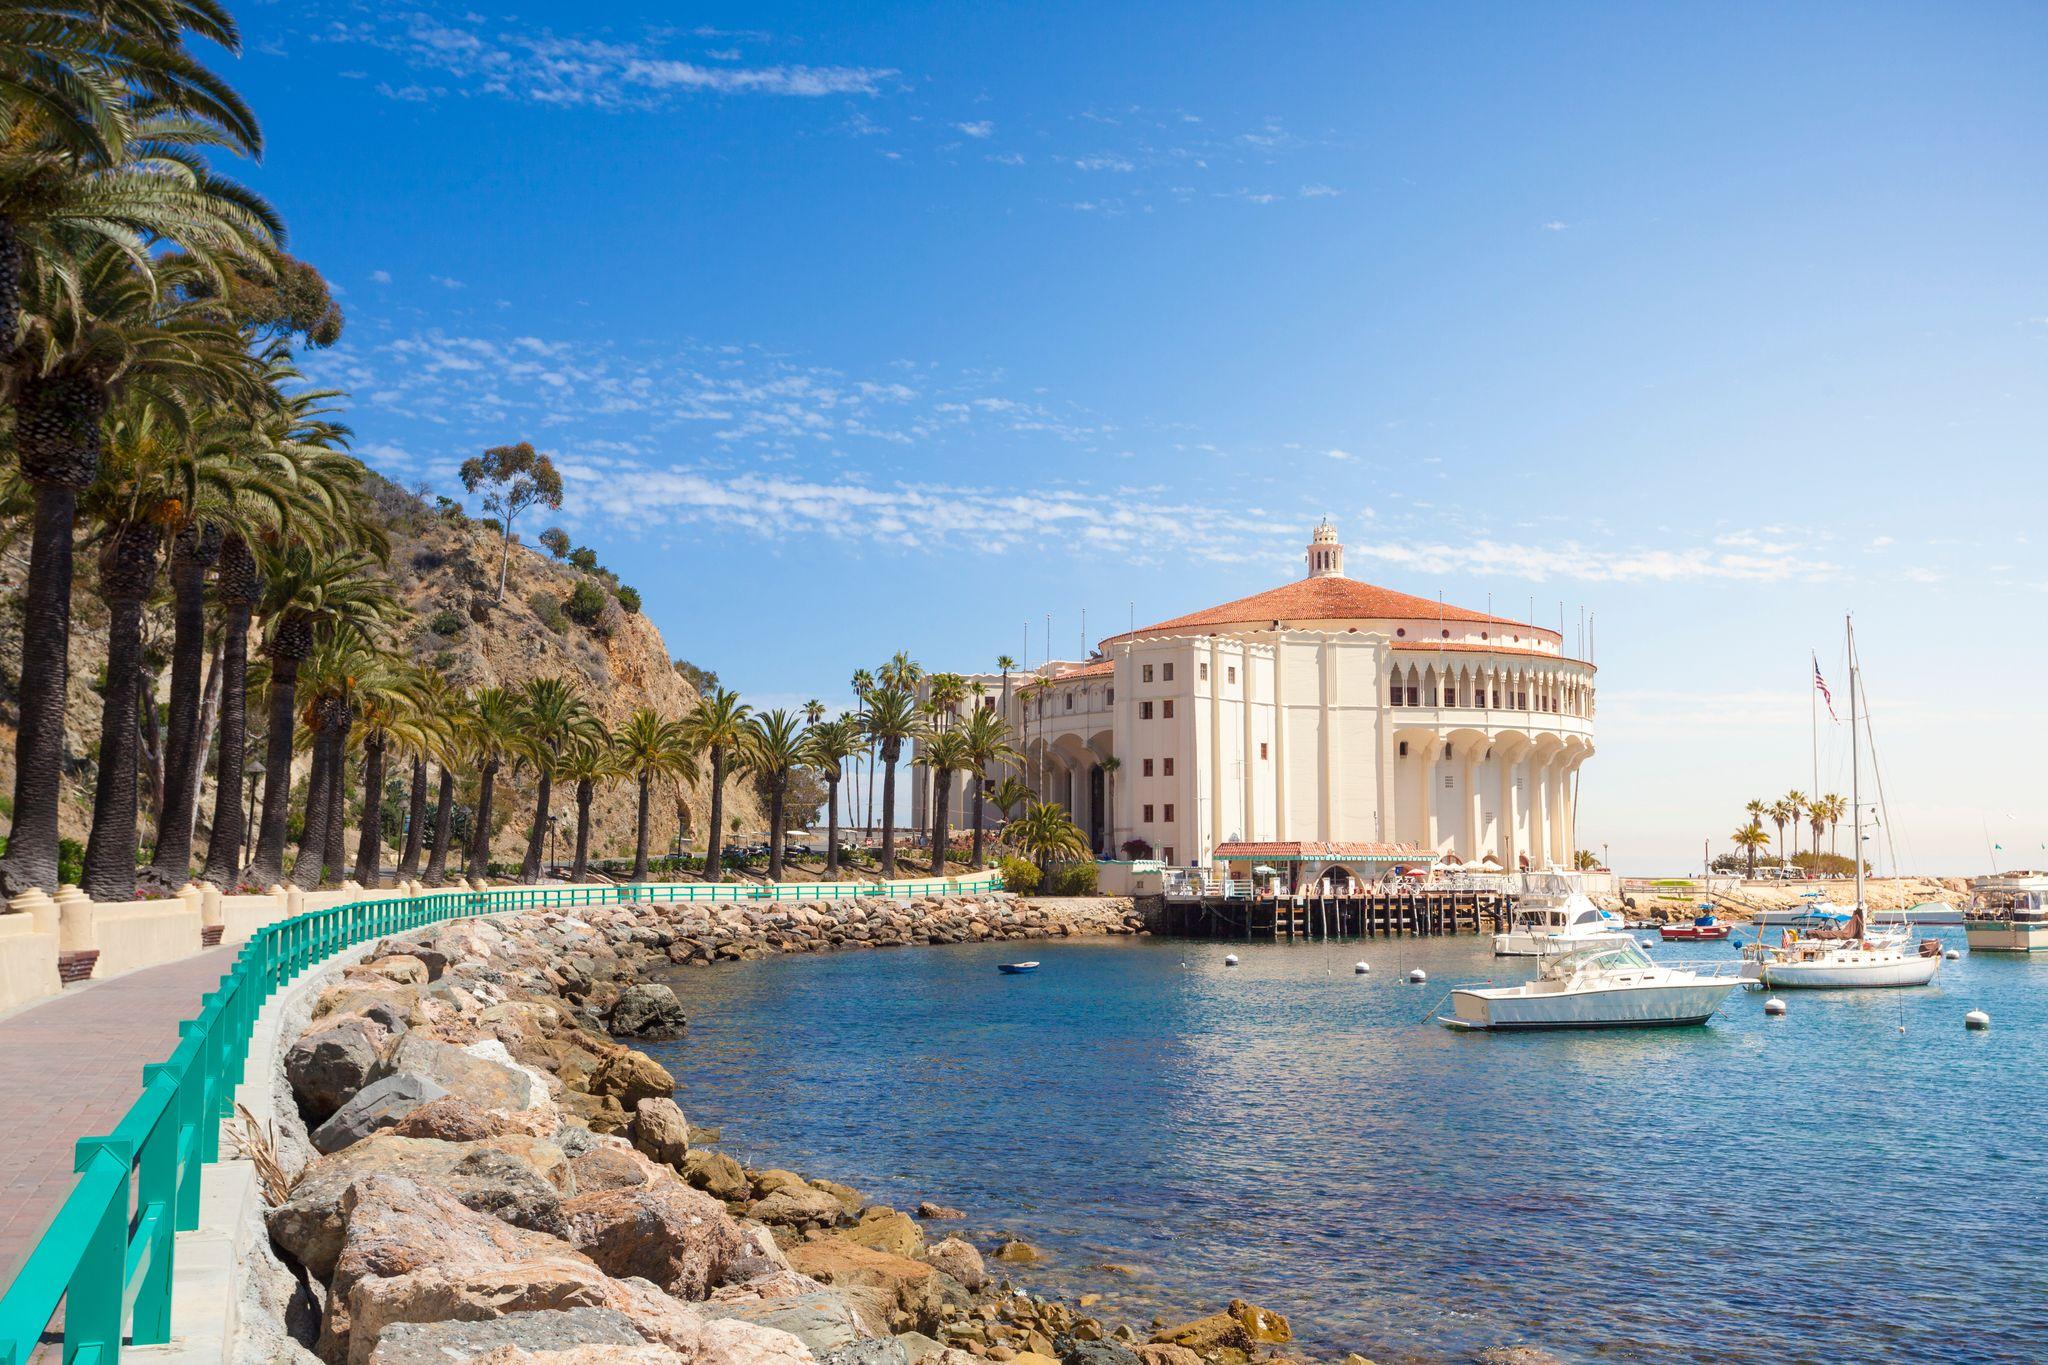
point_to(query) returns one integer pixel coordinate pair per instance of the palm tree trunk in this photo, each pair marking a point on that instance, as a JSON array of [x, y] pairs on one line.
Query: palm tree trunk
[[149, 751], [415, 819], [110, 851], [308, 870], [172, 865], [942, 797], [832, 825], [202, 745], [480, 837], [714, 842], [778, 794], [224, 845], [640, 830], [888, 815], [369, 870], [585, 789], [980, 819], [336, 862], [267, 867], [536, 838], [39, 742], [444, 821]]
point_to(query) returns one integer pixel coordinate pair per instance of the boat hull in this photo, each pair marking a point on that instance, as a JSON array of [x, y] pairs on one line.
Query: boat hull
[[2004, 936], [1523, 943], [1839, 975], [1694, 933], [1669, 1006]]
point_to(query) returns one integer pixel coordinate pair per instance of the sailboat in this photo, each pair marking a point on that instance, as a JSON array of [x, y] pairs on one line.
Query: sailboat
[[1860, 954]]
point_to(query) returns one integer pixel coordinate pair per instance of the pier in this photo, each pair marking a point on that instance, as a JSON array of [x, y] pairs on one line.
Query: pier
[[1373, 913]]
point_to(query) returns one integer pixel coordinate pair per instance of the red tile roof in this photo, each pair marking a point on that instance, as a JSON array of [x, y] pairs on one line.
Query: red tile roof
[[1104, 669], [1324, 599], [1456, 646], [1302, 852]]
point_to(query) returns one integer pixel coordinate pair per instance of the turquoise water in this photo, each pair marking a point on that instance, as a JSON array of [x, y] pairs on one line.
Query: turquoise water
[[1817, 1187]]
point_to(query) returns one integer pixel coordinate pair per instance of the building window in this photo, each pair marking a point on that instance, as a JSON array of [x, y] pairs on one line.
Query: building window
[[1447, 751], [1415, 696], [1401, 633], [1168, 768], [1144, 710], [1070, 701], [1404, 748], [1169, 854], [1167, 674], [1168, 814], [1148, 815], [1168, 711], [1112, 696], [1230, 674], [1148, 768], [1145, 673], [1262, 748], [1204, 674]]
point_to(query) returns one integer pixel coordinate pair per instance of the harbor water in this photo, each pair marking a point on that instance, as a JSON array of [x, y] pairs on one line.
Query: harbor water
[[1860, 1179]]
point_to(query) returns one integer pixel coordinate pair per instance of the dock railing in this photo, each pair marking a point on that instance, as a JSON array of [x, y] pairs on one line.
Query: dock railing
[[108, 1254]]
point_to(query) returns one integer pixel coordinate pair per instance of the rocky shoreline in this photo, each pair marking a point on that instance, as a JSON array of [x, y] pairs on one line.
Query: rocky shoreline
[[470, 1165]]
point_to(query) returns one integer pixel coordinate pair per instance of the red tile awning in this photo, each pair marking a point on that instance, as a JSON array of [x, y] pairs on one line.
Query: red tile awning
[[1295, 851]]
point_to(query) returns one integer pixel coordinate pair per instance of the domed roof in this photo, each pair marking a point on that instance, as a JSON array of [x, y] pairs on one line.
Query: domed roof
[[1322, 599]]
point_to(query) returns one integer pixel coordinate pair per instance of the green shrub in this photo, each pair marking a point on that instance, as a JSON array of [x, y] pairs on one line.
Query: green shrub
[[548, 610], [1072, 879], [556, 540], [585, 604], [70, 861], [584, 558], [1019, 875], [629, 598], [448, 622]]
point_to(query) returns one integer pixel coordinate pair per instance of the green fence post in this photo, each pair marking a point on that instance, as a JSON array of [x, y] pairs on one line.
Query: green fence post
[[156, 1198], [92, 1301]]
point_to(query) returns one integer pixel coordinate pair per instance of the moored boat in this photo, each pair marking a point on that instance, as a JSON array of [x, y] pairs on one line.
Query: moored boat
[[1604, 985], [2008, 913], [1703, 928], [1553, 910], [1016, 968]]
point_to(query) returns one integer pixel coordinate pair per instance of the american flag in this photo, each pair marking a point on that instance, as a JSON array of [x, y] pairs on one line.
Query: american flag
[[1821, 685]]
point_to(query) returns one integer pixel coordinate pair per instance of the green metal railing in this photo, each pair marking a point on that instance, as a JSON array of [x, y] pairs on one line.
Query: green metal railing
[[108, 1254]]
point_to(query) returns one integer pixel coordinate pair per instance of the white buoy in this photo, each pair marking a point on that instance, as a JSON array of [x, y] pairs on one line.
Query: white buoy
[[1774, 1007], [1952, 955], [1647, 942], [1230, 959], [1360, 968], [1418, 976], [1976, 1019]]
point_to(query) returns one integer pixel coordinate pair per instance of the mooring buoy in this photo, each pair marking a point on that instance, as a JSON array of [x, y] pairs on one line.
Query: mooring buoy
[[1774, 1007], [1230, 959], [1976, 1019], [1418, 976], [1360, 968], [1952, 955]]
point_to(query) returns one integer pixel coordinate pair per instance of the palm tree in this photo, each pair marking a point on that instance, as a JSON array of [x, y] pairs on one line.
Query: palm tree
[[814, 711], [305, 590], [1111, 766], [648, 746], [944, 753], [432, 706], [451, 750], [775, 747], [385, 708], [493, 726], [339, 660], [1838, 806], [1779, 813], [892, 721], [717, 729], [831, 744], [92, 332], [986, 736], [550, 715], [591, 758], [1010, 794], [1749, 838], [128, 566], [1816, 825], [1795, 806], [1045, 833]]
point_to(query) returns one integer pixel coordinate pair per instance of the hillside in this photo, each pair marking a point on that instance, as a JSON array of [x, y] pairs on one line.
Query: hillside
[[444, 568]]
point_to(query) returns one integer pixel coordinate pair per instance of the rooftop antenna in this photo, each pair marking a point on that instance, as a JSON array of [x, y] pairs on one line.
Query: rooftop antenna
[[1084, 633]]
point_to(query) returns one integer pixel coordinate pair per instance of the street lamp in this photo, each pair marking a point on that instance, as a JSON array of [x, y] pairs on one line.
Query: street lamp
[[554, 828], [255, 770]]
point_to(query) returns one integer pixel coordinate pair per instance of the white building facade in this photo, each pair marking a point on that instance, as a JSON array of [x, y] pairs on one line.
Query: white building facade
[[1325, 710]]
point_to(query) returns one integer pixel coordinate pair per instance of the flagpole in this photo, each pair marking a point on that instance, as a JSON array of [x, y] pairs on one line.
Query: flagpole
[[1813, 732]]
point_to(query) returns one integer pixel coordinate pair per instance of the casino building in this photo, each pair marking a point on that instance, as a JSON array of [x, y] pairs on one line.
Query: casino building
[[1325, 710]]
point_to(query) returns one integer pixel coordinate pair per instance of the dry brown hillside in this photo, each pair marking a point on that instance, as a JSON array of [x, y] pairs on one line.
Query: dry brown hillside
[[445, 570]]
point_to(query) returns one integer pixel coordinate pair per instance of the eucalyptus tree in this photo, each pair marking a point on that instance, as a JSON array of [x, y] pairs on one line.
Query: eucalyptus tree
[[718, 730], [307, 592], [892, 721], [513, 478], [551, 714], [646, 747], [775, 748], [492, 725], [832, 743], [986, 739], [943, 752]]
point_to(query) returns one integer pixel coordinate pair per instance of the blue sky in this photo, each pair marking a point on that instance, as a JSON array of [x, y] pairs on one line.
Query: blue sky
[[866, 328]]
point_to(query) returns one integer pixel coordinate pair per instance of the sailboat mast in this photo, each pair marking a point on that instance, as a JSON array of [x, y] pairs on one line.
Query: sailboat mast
[[1855, 763]]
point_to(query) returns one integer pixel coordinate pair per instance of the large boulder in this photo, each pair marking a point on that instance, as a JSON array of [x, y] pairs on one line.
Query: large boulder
[[440, 1343], [894, 1290], [487, 1084], [377, 999], [874, 1351], [507, 1178], [667, 1233], [957, 1258], [378, 1105], [798, 1206], [819, 1317], [454, 1119], [717, 1174], [888, 1230], [646, 1009], [660, 1130], [611, 1165], [332, 1061], [1239, 1327], [631, 1077], [1074, 1351]]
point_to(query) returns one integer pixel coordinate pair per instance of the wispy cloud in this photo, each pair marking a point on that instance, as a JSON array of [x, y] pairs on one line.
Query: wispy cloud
[[979, 128]]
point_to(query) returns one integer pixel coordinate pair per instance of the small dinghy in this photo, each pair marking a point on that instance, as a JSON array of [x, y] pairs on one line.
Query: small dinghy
[[1016, 968]]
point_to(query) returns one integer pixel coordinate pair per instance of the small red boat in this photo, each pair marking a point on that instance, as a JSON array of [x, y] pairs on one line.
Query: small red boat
[[1703, 929]]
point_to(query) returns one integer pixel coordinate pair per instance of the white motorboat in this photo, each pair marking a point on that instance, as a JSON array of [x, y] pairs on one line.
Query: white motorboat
[[1552, 911], [2008, 913], [1856, 956], [1601, 985]]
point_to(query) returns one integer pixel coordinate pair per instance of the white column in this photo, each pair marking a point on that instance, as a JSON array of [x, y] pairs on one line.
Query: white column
[[1426, 773], [1509, 833], [1211, 831], [1281, 828], [1539, 842], [1475, 816], [1326, 816]]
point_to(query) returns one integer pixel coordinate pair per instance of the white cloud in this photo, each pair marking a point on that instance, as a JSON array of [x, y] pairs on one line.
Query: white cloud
[[979, 128], [1319, 191], [1103, 161], [380, 277], [1339, 454], [1555, 225]]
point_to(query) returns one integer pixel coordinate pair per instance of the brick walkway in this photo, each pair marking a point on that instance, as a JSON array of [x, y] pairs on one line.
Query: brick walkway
[[69, 1068]]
